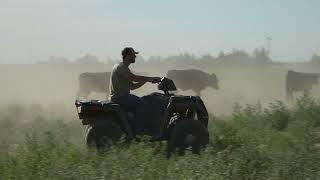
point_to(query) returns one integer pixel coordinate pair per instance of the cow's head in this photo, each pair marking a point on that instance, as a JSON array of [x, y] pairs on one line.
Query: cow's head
[[213, 81]]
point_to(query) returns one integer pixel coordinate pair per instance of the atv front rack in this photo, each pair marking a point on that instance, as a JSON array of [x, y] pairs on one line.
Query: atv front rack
[[185, 107]]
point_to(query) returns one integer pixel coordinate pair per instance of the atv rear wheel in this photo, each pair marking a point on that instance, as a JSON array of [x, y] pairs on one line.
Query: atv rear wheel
[[103, 135], [187, 133]]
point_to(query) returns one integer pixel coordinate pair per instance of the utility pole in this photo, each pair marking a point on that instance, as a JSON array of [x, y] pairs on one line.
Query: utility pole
[[268, 43]]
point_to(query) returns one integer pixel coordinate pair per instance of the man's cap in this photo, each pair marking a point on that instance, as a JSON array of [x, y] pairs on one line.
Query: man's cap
[[128, 51]]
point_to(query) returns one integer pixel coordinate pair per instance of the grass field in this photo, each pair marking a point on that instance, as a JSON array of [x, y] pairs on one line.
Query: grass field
[[254, 134], [251, 143]]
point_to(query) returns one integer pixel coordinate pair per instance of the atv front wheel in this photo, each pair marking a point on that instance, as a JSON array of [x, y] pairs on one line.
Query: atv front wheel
[[103, 135], [187, 133]]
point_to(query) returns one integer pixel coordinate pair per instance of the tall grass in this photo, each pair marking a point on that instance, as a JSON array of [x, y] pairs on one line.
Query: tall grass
[[250, 143]]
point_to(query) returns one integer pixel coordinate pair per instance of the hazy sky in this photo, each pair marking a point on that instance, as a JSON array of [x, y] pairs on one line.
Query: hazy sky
[[33, 30]]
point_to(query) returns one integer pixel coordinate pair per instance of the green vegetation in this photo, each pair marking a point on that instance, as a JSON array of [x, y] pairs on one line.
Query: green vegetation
[[251, 143]]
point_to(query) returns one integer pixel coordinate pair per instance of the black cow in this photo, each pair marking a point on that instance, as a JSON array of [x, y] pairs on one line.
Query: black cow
[[298, 81], [93, 82], [193, 79]]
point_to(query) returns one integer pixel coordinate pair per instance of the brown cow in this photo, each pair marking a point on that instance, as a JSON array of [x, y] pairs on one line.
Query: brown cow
[[193, 79]]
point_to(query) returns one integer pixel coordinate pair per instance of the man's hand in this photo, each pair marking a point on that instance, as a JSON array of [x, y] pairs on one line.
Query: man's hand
[[156, 79]]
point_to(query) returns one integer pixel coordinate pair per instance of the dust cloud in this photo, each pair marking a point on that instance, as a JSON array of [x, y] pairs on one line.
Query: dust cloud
[[48, 85]]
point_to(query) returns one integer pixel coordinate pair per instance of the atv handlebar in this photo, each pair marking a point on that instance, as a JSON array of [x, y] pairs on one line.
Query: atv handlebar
[[157, 80]]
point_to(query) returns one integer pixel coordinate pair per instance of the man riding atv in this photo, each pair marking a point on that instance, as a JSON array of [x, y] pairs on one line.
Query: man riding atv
[[180, 120], [122, 80]]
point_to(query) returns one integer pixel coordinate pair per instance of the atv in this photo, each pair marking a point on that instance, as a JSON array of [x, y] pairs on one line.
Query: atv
[[182, 121]]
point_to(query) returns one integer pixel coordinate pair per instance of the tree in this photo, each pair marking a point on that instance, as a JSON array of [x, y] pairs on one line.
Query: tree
[[221, 55], [207, 58], [57, 60], [315, 59], [261, 56], [235, 57], [154, 59], [88, 59]]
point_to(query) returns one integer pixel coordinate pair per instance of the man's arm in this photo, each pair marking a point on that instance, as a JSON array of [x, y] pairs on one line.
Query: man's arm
[[137, 78], [136, 85]]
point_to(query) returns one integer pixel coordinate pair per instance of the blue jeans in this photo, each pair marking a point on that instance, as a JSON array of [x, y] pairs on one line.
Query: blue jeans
[[136, 105]]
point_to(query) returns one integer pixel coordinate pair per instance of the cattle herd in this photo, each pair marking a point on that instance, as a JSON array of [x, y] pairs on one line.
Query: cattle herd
[[195, 80]]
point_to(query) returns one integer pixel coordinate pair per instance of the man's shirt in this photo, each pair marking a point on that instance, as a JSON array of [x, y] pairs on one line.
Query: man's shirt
[[119, 85]]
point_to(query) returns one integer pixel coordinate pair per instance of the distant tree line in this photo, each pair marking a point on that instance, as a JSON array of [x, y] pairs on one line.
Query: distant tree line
[[259, 57], [86, 59]]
